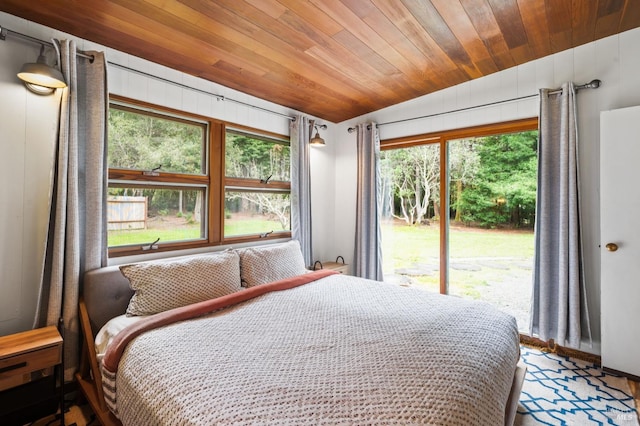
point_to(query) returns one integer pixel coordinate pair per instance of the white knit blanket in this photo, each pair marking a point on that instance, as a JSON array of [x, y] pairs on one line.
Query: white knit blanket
[[341, 350]]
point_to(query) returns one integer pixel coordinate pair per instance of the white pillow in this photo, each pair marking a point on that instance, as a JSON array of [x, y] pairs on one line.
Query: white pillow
[[160, 286], [261, 265], [110, 330]]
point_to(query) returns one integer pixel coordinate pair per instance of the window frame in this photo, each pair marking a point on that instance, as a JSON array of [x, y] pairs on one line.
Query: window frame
[[213, 180], [442, 138], [254, 184]]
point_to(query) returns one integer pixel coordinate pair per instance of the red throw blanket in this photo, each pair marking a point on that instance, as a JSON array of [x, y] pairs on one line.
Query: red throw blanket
[[116, 348]]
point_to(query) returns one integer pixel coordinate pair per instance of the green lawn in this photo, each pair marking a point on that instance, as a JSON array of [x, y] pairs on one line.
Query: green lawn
[[490, 265], [149, 235], [407, 246], [186, 231]]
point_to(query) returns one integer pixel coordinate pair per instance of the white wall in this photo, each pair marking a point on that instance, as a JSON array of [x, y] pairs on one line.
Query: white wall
[[28, 126], [614, 60], [27, 135]]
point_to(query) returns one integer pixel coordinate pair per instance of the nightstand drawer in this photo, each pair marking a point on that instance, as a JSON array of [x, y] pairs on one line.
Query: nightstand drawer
[[23, 354], [15, 370]]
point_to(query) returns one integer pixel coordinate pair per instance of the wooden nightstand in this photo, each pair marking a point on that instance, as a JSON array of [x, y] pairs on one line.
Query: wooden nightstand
[[29, 362], [338, 265]]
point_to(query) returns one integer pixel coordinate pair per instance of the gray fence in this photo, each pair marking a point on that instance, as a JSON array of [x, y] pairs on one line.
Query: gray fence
[[125, 213]]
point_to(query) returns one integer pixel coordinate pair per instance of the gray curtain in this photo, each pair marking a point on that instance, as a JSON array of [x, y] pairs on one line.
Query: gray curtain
[[558, 298], [300, 134], [368, 246], [77, 239]]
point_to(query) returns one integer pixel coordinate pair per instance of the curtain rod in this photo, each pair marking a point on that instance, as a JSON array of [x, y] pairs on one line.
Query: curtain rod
[[184, 86], [593, 84], [5, 31]]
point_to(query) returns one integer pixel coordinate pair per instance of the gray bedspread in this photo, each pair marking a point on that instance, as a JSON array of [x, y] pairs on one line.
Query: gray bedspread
[[341, 350]]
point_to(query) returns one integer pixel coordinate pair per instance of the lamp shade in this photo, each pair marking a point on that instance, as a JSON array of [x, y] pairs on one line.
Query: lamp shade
[[317, 140], [41, 74]]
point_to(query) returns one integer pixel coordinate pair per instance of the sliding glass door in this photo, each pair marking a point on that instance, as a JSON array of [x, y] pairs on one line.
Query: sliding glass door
[[472, 236], [410, 225]]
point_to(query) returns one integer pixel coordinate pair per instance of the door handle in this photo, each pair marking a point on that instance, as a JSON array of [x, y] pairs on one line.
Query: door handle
[[612, 246]]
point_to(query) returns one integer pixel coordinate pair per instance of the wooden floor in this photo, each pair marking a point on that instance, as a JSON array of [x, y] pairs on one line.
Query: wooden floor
[[75, 415], [635, 391]]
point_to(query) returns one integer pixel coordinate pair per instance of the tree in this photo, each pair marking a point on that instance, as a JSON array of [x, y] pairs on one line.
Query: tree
[[504, 188], [273, 205], [145, 142], [414, 176], [249, 157], [464, 163], [492, 180]]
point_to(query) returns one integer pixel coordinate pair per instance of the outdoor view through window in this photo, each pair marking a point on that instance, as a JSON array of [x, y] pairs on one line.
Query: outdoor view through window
[[166, 201], [265, 208], [178, 180], [491, 186]]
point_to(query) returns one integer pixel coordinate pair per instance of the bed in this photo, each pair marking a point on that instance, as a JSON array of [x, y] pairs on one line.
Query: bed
[[283, 345]]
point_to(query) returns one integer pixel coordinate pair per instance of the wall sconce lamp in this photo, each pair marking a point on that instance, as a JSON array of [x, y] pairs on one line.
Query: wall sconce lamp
[[317, 140], [40, 77]]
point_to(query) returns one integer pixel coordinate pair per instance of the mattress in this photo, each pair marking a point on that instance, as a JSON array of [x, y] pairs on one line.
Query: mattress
[[336, 350]]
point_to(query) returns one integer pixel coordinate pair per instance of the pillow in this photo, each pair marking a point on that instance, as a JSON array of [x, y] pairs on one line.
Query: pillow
[[160, 286], [261, 265], [110, 330]]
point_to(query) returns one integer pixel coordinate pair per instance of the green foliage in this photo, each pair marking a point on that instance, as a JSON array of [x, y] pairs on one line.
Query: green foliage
[[492, 181], [413, 179], [144, 142], [258, 158], [503, 191]]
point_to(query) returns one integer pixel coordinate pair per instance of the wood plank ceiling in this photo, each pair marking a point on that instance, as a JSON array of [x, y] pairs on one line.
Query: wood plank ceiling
[[335, 59]]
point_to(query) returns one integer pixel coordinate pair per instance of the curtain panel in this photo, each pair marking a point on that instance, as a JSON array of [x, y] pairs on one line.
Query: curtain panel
[[77, 240], [300, 134], [368, 245], [558, 297]]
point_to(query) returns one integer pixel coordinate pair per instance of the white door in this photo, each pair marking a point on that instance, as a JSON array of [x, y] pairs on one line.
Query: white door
[[620, 239]]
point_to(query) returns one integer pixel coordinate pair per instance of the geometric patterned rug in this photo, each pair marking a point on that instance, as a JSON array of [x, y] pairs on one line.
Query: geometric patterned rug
[[566, 391]]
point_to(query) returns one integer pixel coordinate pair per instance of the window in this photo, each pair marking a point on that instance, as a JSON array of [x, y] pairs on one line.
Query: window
[[257, 185], [178, 180]]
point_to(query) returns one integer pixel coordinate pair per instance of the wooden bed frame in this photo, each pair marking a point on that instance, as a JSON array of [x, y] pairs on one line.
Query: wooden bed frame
[[106, 294]]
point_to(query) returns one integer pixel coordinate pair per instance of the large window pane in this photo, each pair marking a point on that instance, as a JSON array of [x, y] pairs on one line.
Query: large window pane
[[249, 213], [410, 227], [256, 157], [492, 187], [144, 141], [139, 216]]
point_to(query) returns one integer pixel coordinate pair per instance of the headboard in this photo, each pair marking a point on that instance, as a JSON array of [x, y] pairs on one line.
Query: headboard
[[106, 294]]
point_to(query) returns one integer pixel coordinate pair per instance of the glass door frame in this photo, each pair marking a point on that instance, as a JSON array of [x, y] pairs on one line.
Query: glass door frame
[[442, 138]]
